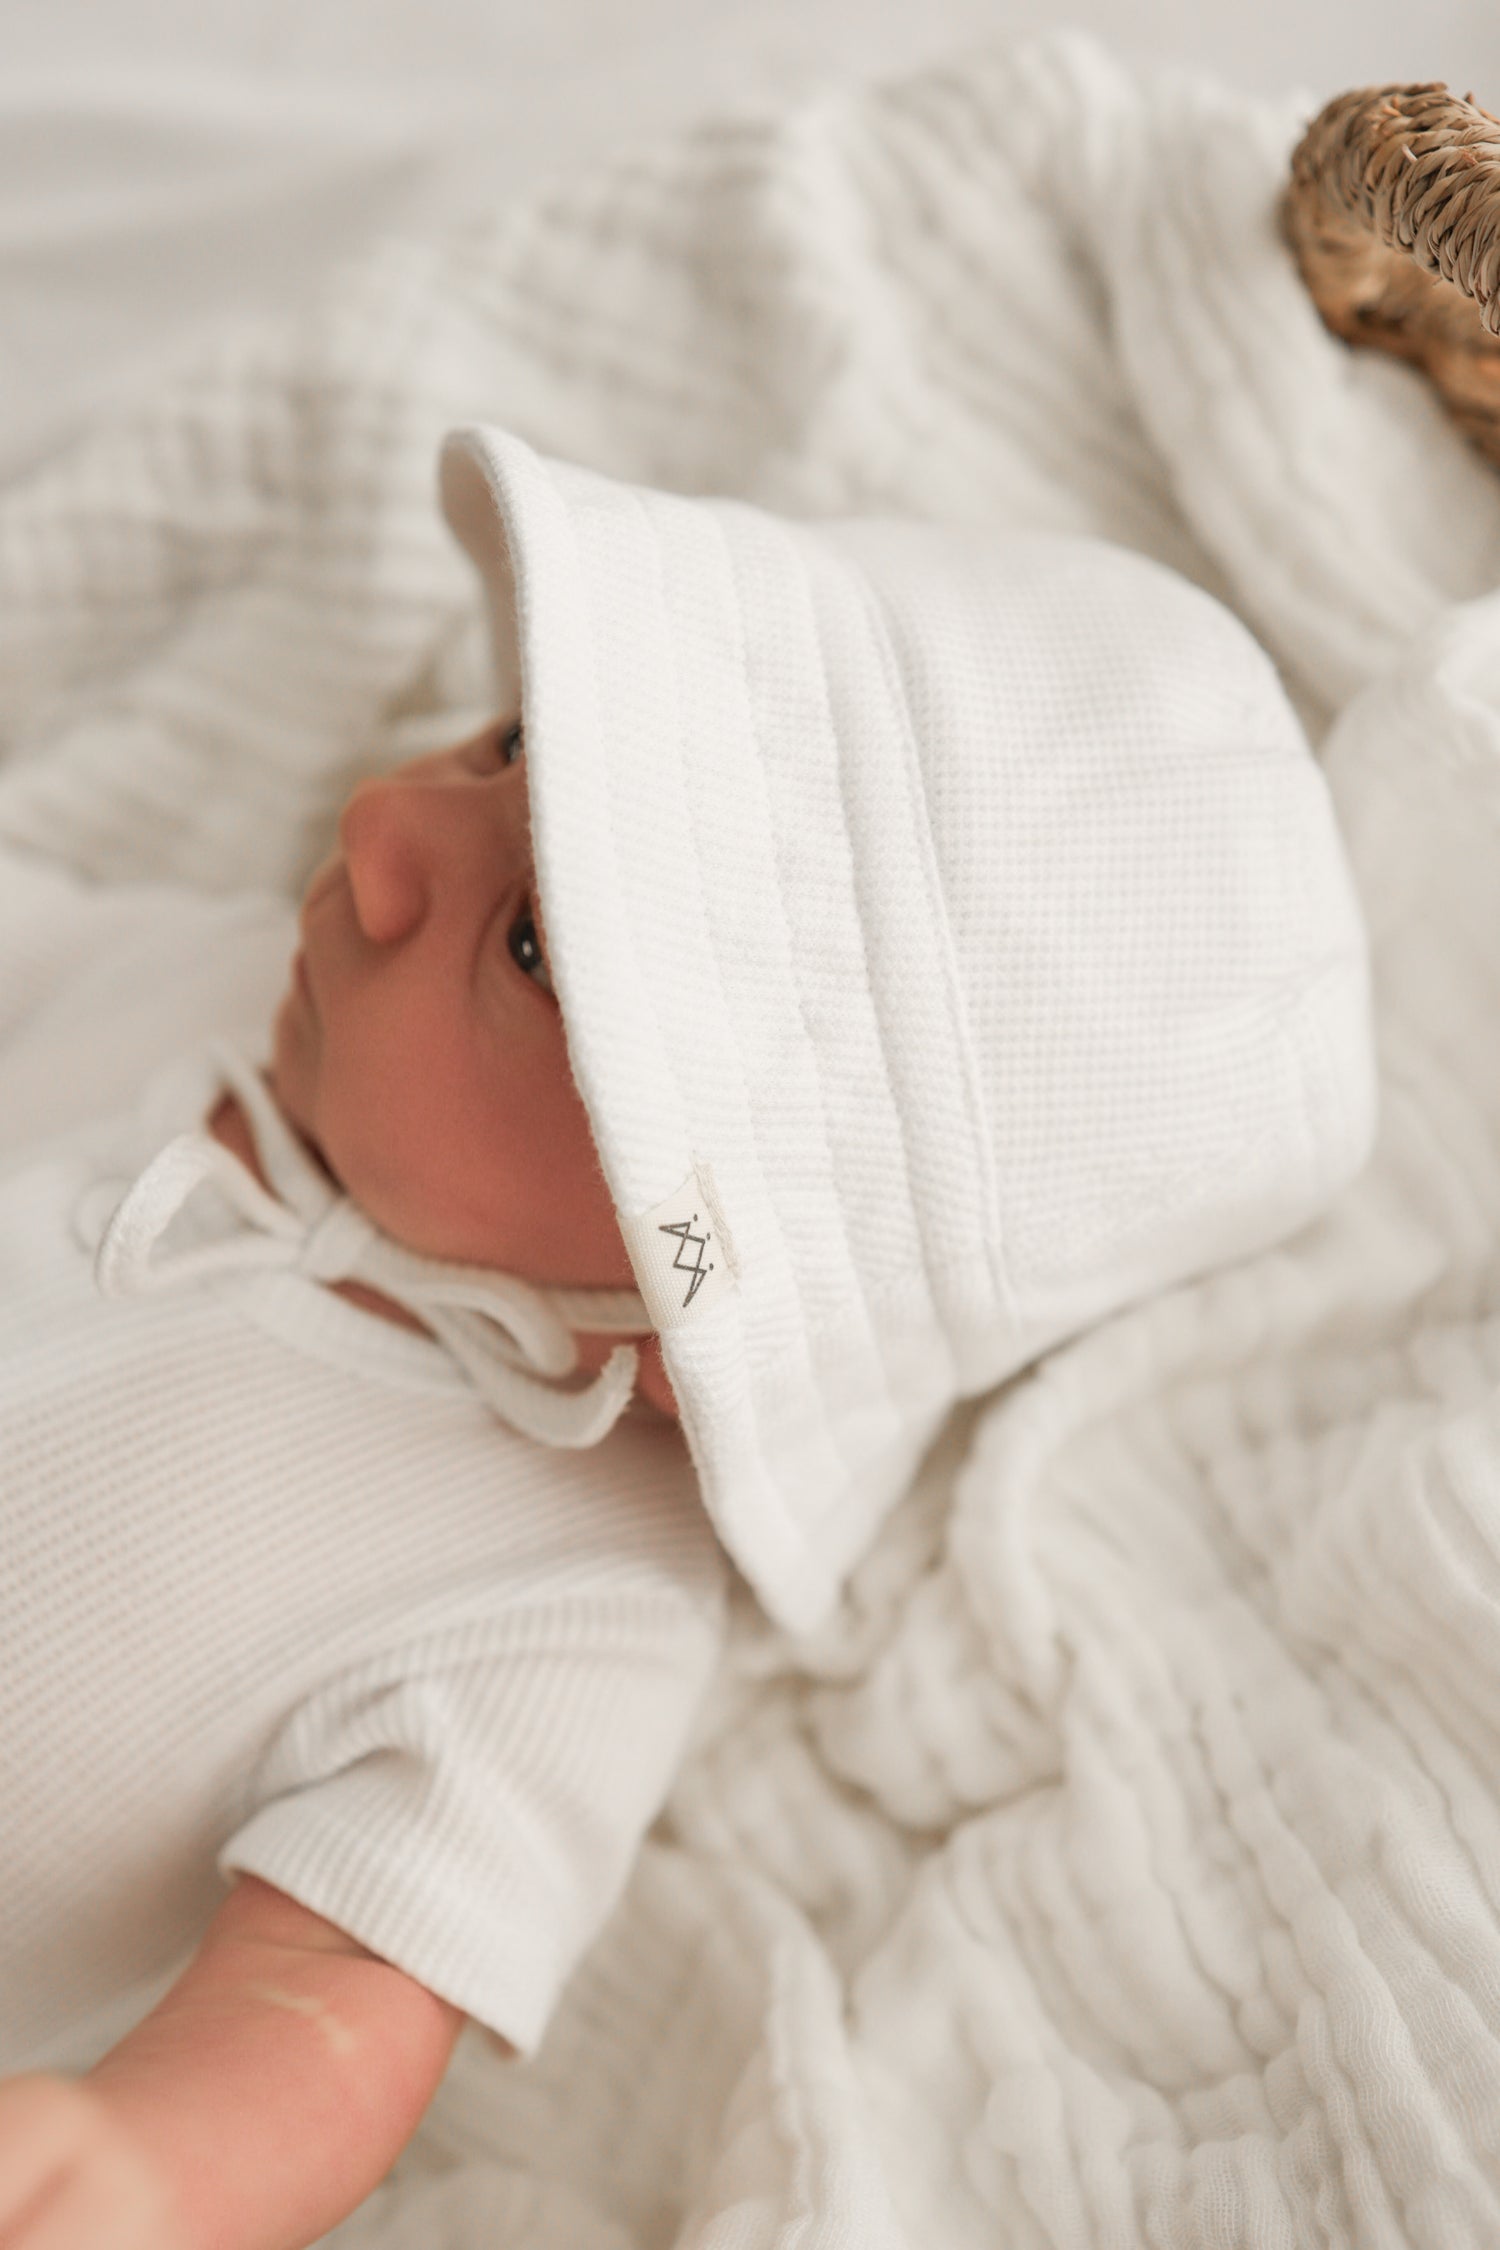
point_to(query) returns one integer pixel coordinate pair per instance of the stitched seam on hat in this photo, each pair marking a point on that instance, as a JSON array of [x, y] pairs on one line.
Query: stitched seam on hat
[[1308, 1042], [854, 576], [811, 1328], [626, 890], [963, 1043], [727, 1013], [791, 1528], [1324, 1163], [578, 582]]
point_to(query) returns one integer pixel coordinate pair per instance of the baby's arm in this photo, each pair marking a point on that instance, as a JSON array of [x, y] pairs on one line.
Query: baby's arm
[[264, 2097]]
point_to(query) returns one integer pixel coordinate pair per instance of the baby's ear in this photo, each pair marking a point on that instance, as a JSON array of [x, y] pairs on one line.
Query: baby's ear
[[652, 1381]]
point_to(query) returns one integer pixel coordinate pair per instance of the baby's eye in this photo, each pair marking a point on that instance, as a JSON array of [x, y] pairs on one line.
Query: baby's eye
[[526, 949], [512, 743]]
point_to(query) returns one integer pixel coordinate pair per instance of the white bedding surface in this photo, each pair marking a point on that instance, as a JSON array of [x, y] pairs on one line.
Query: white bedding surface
[[163, 164], [1120, 1869]]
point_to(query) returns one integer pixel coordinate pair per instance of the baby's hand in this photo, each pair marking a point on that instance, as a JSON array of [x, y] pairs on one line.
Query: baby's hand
[[72, 2177]]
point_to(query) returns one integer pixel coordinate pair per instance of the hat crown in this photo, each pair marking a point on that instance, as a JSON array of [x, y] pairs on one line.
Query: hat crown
[[1144, 899]]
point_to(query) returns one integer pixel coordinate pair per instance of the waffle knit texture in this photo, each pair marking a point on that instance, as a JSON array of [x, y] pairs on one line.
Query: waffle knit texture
[[279, 1594], [1120, 1865], [962, 916]]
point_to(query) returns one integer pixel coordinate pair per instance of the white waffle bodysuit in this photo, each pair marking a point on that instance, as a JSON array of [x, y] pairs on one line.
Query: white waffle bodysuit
[[278, 1592]]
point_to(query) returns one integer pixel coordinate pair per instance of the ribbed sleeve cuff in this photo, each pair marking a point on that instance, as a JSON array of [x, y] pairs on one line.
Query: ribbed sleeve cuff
[[506, 1974]]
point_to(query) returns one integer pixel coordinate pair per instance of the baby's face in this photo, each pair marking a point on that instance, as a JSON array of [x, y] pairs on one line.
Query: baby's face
[[419, 1047]]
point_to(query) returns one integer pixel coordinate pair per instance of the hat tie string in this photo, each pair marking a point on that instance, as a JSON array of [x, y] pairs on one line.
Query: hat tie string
[[512, 1339]]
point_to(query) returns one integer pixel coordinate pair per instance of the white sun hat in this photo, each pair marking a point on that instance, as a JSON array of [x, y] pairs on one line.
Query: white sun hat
[[954, 941]]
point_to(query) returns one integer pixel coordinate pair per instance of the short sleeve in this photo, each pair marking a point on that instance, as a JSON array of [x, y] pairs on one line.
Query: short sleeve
[[469, 1805]]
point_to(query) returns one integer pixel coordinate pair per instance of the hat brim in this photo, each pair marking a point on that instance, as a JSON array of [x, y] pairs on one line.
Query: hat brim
[[652, 719]]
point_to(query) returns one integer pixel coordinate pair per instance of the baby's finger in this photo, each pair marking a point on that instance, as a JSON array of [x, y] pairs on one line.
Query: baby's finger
[[102, 2208], [70, 2179], [39, 2129]]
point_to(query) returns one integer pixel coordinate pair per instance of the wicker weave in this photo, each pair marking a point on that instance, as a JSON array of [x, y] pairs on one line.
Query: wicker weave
[[1393, 212]]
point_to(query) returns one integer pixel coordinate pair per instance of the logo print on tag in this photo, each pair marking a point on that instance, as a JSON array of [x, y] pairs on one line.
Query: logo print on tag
[[682, 1252], [695, 1268]]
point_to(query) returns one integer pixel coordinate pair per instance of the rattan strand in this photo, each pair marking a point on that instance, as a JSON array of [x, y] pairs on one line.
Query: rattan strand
[[1393, 213]]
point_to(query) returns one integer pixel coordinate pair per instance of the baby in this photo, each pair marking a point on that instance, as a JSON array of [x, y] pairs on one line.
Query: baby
[[861, 956]]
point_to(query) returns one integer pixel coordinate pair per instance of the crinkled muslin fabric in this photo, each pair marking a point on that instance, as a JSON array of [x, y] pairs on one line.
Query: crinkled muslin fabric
[[1119, 1867], [955, 944]]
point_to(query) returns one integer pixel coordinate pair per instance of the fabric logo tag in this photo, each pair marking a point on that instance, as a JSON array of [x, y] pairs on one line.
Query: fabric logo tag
[[681, 1252]]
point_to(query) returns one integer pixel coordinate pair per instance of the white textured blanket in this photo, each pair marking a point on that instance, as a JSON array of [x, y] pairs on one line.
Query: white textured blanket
[[1122, 1867]]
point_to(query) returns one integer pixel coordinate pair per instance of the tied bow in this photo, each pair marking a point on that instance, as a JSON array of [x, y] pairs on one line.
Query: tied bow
[[512, 1339]]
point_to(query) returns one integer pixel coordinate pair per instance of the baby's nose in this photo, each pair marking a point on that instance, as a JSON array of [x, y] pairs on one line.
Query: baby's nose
[[388, 867]]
